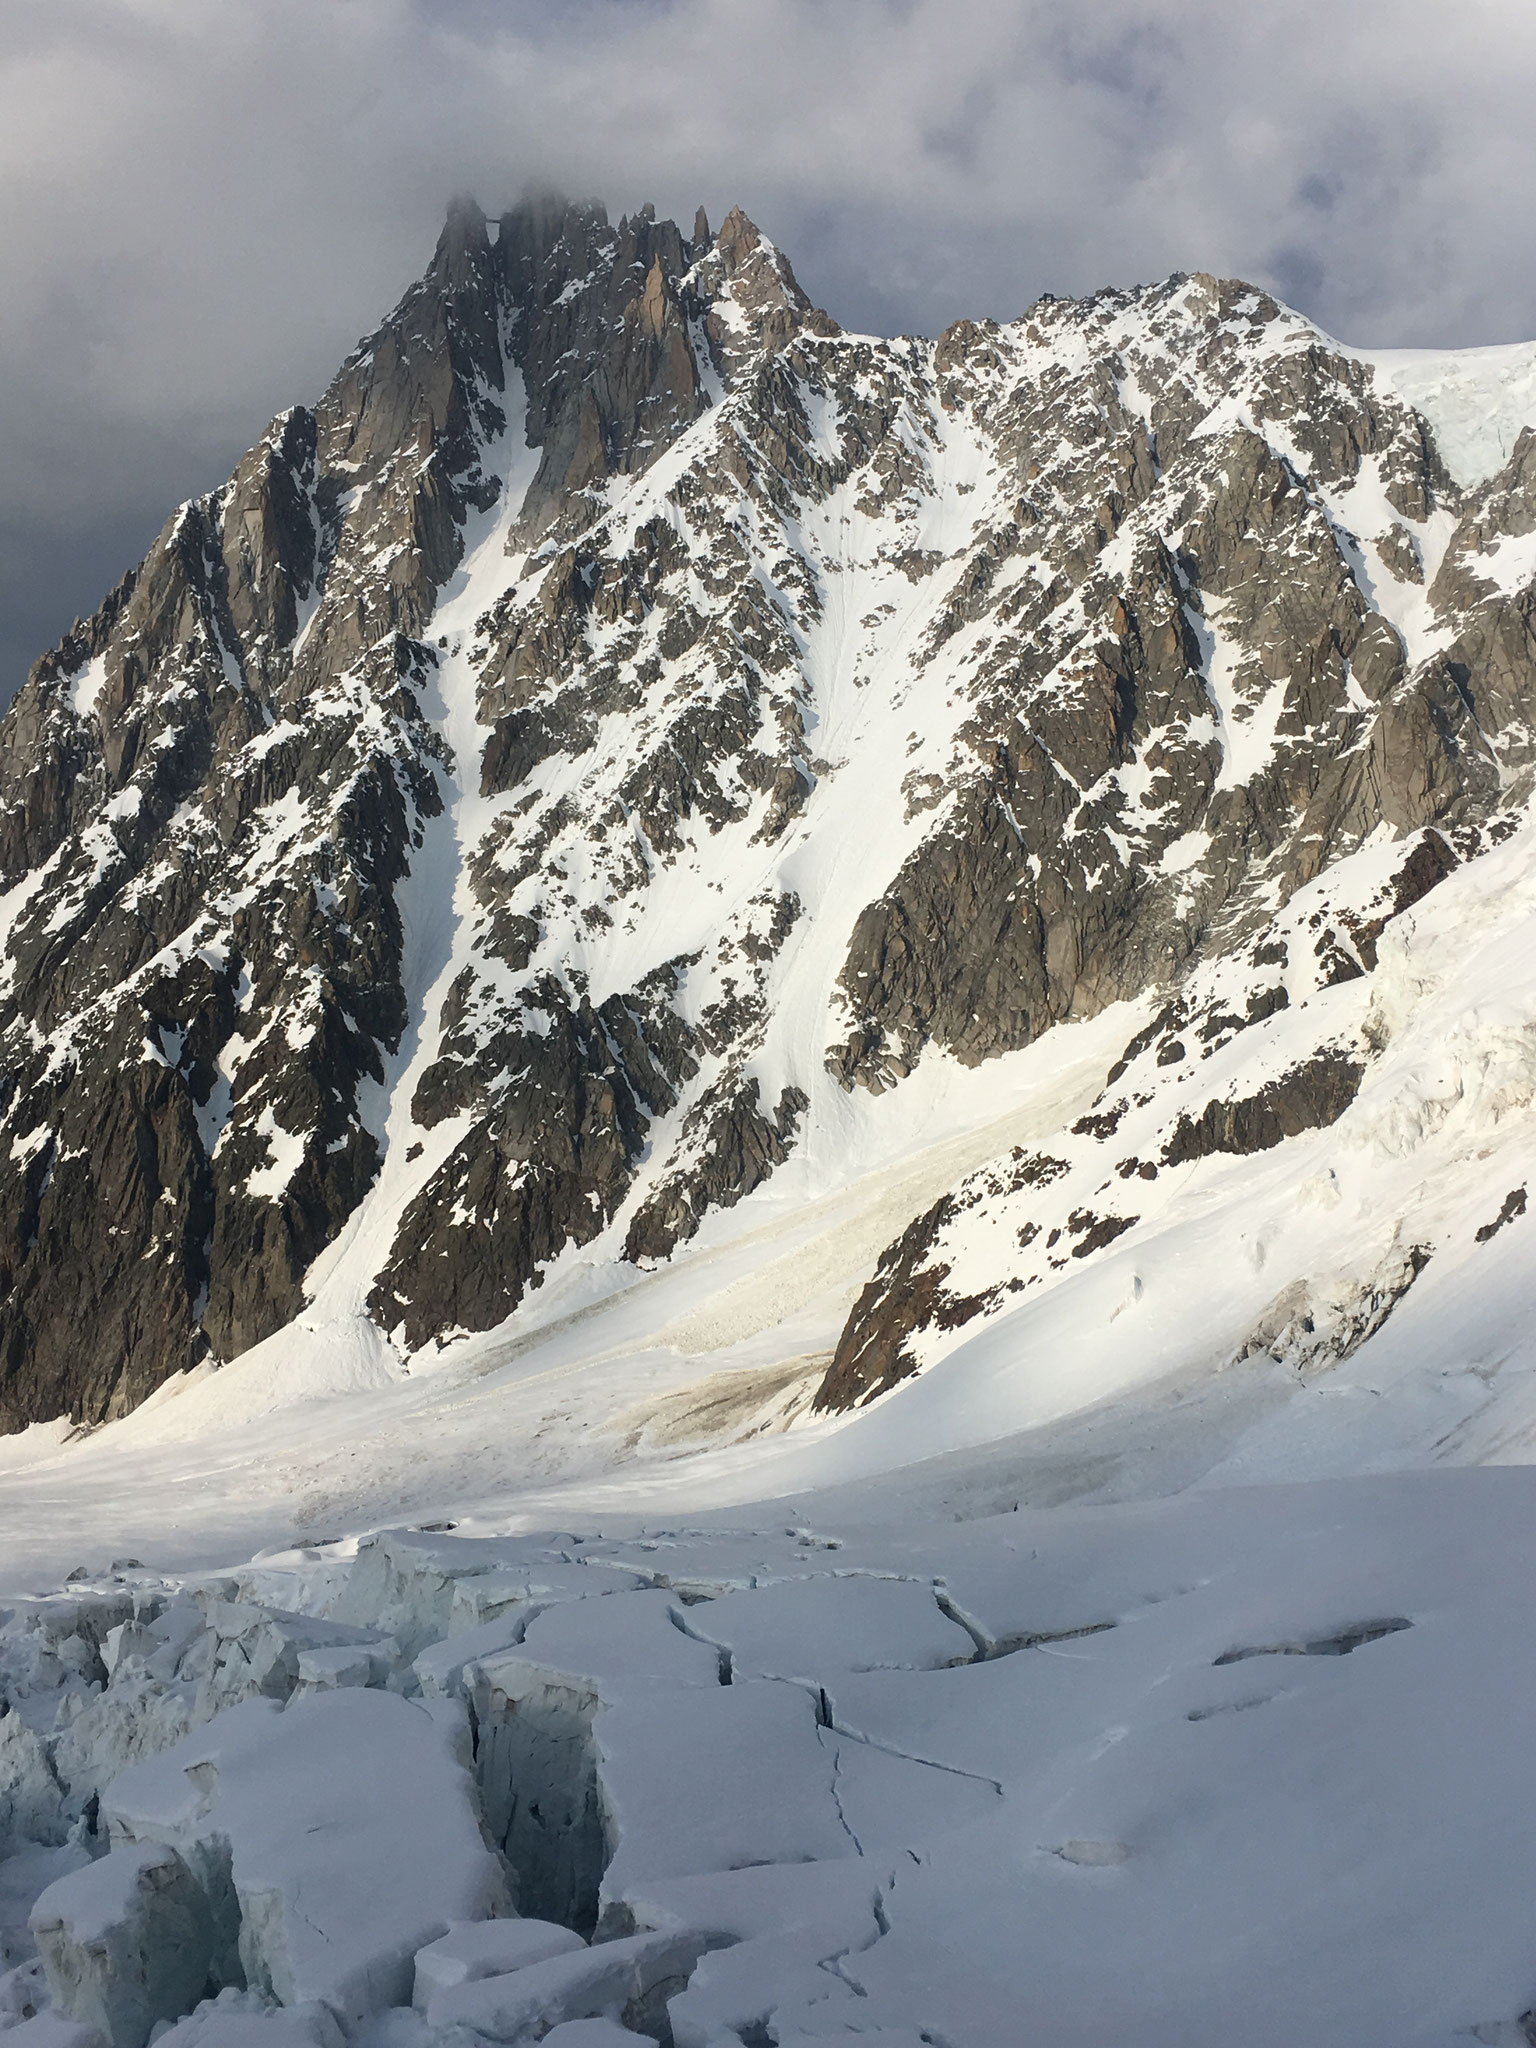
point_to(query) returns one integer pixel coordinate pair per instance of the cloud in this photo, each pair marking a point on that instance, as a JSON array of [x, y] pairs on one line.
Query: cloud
[[205, 205]]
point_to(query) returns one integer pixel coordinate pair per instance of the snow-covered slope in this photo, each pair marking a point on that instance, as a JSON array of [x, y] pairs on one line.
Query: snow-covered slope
[[1346, 1299], [589, 897], [631, 731]]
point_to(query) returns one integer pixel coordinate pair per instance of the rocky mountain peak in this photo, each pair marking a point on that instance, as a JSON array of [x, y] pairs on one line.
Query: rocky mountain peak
[[757, 287], [627, 726]]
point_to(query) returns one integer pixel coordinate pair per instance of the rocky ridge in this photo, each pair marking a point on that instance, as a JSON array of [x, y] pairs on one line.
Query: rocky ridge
[[627, 721]]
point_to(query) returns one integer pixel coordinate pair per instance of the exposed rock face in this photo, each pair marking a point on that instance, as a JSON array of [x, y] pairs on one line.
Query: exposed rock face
[[906, 1295], [730, 1148], [1512, 1206], [627, 714], [547, 1166], [1307, 1098]]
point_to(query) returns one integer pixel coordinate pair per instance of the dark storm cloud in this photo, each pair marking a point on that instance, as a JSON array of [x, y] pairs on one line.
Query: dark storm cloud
[[204, 205]]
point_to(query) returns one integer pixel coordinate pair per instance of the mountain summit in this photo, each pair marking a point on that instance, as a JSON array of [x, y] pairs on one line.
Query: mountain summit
[[630, 732]]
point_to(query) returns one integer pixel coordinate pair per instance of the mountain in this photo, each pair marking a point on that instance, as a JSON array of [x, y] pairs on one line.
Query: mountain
[[728, 1031], [631, 736]]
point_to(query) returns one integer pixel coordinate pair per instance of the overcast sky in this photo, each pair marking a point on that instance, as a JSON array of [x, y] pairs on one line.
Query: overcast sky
[[205, 202]]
